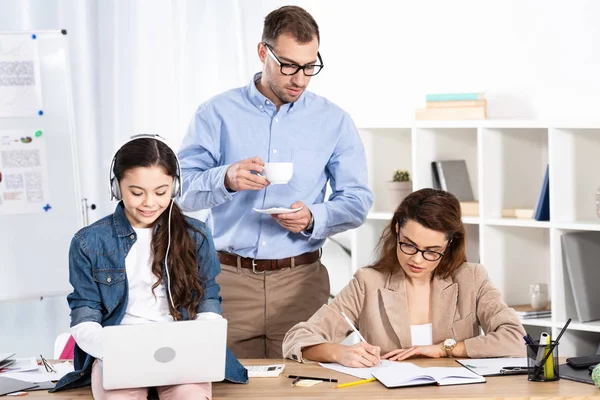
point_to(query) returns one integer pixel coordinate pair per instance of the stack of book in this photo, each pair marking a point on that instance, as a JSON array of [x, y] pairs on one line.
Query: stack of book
[[525, 311], [451, 106]]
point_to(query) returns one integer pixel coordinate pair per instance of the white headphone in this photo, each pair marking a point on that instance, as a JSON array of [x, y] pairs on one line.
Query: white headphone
[[115, 193], [115, 189]]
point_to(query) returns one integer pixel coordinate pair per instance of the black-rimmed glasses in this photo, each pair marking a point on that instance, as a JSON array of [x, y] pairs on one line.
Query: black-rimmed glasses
[[47, 365], [292, 69], [411, 250]]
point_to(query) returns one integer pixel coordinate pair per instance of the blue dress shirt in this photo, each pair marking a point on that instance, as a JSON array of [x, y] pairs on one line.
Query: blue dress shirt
[[313, 133]]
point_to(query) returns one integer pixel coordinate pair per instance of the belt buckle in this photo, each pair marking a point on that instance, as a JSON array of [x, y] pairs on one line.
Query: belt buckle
[[254, 268]]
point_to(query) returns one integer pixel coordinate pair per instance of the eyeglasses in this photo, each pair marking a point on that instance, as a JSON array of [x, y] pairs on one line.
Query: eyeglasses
[[429, 255], [292, 69], [47, 365]]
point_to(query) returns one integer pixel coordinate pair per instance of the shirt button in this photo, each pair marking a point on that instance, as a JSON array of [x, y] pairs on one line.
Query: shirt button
[[132, 236], [264, 243], [268, 102], [109, 279], [274, 150], [276, 119]]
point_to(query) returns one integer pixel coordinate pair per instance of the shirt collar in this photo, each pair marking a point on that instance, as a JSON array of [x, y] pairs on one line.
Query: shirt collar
[[260, 101]]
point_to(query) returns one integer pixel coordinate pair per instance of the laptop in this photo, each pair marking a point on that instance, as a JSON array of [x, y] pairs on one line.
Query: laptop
[[578, 375], [162, 354]]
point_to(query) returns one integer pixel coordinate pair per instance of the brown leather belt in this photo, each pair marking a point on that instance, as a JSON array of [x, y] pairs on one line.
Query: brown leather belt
[[258, 266]]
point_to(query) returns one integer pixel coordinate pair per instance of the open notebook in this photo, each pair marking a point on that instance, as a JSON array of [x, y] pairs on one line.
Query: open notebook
[[397, 374], [407, 374]]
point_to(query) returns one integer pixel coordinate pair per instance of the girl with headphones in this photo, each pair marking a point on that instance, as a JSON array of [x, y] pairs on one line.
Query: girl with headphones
[[144, 263]]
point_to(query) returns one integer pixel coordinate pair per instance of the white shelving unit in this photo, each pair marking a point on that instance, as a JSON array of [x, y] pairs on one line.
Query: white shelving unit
[[506, 161]]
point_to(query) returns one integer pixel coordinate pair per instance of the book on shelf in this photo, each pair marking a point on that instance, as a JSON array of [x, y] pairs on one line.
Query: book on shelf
[[451, 113], [542, 211], [457, 103], [524, 213], [581, 252], [453, 176], [525, 311], [454, 96], [469, 208]]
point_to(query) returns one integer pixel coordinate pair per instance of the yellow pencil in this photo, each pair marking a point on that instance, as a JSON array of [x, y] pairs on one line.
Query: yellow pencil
[[343, 385]]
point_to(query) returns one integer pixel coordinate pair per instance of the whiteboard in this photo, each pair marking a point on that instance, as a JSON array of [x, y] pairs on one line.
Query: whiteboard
[[34, 246]]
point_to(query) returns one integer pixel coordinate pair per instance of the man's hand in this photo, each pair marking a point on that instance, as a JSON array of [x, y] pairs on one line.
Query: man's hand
[[433, 351], [239, 176], [296, 221]]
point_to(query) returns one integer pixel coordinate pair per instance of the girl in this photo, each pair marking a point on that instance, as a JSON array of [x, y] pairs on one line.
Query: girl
[[420, 298], [146, 262]]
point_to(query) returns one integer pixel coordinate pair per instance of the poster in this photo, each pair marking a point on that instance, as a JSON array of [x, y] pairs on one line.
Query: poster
[[20, 87], [23, 173]]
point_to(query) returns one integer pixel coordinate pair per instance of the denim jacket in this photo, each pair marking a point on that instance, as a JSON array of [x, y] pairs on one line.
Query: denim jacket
[[100, 288]]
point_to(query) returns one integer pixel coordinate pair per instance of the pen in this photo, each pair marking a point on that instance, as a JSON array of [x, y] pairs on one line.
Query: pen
[[352, 326], [551, 349], [313, 378], [343, 385]]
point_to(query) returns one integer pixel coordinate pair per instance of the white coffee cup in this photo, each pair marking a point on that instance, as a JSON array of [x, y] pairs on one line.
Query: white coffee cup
[[278, 172]]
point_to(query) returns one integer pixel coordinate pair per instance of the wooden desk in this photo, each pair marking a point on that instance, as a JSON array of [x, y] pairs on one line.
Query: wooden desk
[[504, 387]]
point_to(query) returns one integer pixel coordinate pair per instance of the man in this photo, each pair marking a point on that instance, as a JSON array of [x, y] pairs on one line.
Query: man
[[272, 277]]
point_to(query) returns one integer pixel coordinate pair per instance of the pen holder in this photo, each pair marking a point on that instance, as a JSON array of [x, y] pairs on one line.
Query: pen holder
[[538, 371]]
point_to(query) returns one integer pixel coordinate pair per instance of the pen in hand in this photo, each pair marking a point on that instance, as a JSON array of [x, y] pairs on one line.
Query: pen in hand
[[353, 327]]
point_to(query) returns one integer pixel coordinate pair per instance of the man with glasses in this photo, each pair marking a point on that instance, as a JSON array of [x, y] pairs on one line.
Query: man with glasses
[[272, 276]]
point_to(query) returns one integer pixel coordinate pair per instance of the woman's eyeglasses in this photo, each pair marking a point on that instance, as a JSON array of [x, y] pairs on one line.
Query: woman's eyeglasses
[[411, 250]]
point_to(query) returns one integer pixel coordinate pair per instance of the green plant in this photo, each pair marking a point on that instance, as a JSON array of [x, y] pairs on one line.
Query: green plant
[[401, 175]]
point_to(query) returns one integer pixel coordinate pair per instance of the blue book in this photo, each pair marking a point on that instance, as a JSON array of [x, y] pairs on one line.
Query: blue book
[[454, 96], [542, 211]]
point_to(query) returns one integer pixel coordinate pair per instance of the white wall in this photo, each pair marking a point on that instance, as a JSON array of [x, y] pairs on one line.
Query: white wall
[[533, 58]]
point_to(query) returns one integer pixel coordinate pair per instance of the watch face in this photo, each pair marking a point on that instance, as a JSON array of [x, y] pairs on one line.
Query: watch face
[[449, 343]]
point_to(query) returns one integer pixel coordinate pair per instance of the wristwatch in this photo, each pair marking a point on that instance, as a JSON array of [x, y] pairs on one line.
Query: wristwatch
[[449, 345], [310, 225]]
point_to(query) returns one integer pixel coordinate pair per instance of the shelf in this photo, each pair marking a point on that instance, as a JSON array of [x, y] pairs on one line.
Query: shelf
[[545, 322], [380, 215], [590, 225], [592, 326], [528, 223], [483, 123], [471, 220]]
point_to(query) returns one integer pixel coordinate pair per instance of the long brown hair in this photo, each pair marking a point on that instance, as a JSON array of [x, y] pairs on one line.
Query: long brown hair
[[436, 210], [185, 285]]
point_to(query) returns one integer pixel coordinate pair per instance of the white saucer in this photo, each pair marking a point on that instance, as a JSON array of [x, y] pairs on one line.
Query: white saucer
[[278, 210]]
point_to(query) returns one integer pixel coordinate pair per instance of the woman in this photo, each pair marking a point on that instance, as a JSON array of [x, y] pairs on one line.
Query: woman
[[420, 298], [145, 263]]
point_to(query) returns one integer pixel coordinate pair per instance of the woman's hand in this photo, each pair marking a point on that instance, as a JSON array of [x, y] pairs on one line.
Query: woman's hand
[[358, 355], [433, 351]]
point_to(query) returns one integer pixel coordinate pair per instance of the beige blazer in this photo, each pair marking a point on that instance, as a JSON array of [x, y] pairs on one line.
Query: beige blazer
[[376, 303]]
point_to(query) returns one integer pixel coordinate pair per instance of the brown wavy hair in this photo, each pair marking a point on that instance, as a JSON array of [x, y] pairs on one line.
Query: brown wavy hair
[[293, 20], [436, 210], [185, 280]]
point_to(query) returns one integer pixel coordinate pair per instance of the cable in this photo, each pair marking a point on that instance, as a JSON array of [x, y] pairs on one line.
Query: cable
[[167, 256]]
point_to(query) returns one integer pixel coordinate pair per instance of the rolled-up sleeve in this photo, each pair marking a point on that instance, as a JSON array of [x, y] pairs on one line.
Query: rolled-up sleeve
[[209, 268], [85, 300]]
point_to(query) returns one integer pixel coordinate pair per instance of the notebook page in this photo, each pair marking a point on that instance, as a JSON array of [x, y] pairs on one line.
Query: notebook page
[[395, 374], [454, 375]]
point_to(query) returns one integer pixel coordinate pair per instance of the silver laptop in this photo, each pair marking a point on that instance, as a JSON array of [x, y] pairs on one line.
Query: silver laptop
[[162, 354]]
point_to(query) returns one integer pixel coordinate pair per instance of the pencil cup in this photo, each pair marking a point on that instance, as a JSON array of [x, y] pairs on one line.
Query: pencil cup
[[539, 370]]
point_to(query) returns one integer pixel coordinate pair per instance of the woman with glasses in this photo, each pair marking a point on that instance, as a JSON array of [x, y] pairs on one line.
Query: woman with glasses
[[419, 299]]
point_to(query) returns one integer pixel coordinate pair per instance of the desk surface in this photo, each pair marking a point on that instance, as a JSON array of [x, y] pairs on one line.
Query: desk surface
[[497, 387]]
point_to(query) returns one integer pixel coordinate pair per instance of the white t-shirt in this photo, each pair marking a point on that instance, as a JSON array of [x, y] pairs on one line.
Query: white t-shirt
[[421, 335], [142, 306]]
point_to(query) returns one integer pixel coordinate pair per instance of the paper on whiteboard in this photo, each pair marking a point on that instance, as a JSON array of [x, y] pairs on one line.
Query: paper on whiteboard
[[23, 173], [20, 88]]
